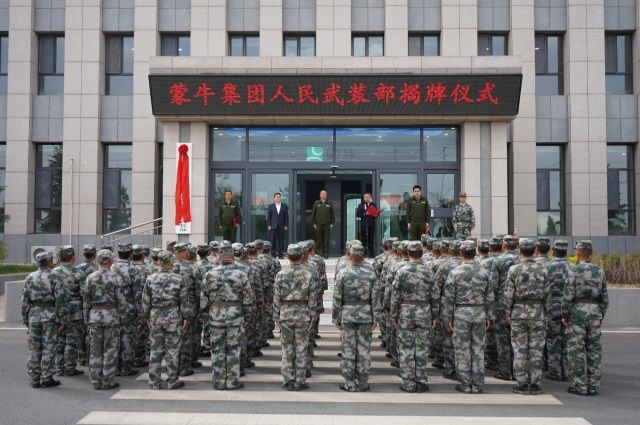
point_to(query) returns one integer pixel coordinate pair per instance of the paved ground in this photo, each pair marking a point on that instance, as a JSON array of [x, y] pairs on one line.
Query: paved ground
[[263, 402]]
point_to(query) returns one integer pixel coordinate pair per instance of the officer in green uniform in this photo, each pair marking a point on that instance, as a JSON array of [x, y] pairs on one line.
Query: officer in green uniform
[[229, 217], [418, 214], [322, 218]]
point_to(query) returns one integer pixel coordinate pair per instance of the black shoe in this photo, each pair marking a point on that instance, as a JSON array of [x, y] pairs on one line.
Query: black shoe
[[379, 336], [407, 390], [383, 344], [535, 390], [450, 375], [249, 364], [363, 389], [196, 364], [475, 390], [271, 335], [130, 372], [110, 386], [178, 384], [388, 355], [502, 377], [289, 386], [237, 387], [553, 377], [219, 388], [35, 385], [463, 389], [97, 387], [593, 392], [266, 344], [491, 367], [575, 391], [318, 336], [300, 387], [422, 388], [242, 373], [395, 364], [438, 365], [73, 372], [258, 354], [308, 374], [205, 353], [186, 372], [520, 389], [340, 355], [315, 345], [49, 383], [344, 387]]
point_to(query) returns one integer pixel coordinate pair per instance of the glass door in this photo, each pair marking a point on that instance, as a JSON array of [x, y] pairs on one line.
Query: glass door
[[441, 192], [226, 181], [395, 190], [264, 186]]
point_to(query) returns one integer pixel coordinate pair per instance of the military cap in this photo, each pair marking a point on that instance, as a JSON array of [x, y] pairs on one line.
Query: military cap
[[455, 244], [445, 243], [228, 250], [43, 257], [356, 250], [404, 246], [543, 242], [65, 252], [468, 245], [267, 244], [462, 195], [259, 243], [414, 246], [165, 257], [192, 249], [203, 247], [584, 245], [124, 247], [495, 242], [311, 243], [237, 248], [304, 246], [155, 252], [137, 250], [484, 244], [180, 247], [511, 241], [250, 247], [105, 246], [430, 242], [395, 245], [145, 249], [526, 243], [171, 244], [214, 245], [560, 245], [356, 245], [424, 238], [89, 249], [384, 241], [105, 256], [437, 245], [500, 237], [294, 249]]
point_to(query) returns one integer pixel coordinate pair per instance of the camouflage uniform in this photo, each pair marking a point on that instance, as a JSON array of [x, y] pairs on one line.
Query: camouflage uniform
[[490, 264], [524, 300], [251, 346], [142, 350], [196, 328], [69, 337], [323, 284], [164, 299], [42, 306], [503, 328], [189, 275], [106, 308], [392, 335], [354, 311], [463, 220], [584, 305], [294, 307], [86, 268], [467, 304], [316, 287], [228, 300], [414, 305], [275, 268]]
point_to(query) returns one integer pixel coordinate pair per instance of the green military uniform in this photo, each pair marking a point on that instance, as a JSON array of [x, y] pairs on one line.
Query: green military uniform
[[89, 266], [502, 326], [418, 215], [463, 220], [322, 217], [227, 211]]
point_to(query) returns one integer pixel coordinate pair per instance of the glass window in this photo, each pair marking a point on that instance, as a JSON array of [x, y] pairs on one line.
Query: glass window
[[549, 65], [620, 190], [223, 182], [175, 45], [117, 187], [424, 45], [618, 63], [378, 144], [3, 176], [441, 144], [441, 190], [299, 45], [50, 64], [228, 144], [290, 144], [244, 45], [119, 65], [492, 44], [263, 186], [48, 188], [367, 45], [4, 62], [550, 190], [395, 191]]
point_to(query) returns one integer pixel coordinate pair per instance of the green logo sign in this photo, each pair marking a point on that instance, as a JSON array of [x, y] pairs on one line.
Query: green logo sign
[[315, 154]]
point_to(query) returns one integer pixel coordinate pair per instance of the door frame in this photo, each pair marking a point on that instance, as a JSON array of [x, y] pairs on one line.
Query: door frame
[[213, 205]]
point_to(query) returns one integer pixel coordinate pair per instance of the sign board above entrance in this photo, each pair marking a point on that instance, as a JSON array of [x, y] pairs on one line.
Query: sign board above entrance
[[323, 94]]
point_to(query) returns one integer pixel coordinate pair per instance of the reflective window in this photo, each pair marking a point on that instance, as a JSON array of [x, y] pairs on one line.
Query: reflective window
[[228, 144], [620, 189], [395, 191], [263, 186], [440, 144], [223, 182], [48, 188], [492, 44], [291, 144], [367, 45], [550, 190], [50, 64], [119, 64], [244, 45], [4, 62], [299, 45], [378, 144], [618, 63], [441, 190], [549, 65], [175, 45], [117, 187], [424, 45]]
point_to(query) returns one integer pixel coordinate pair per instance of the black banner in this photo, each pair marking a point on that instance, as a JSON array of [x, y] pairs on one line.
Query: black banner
[[324, 94]]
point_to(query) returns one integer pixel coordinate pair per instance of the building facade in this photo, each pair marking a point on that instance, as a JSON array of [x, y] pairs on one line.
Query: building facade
[[92, 110]]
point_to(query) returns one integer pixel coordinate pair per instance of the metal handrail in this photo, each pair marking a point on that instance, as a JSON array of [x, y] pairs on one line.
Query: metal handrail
[[131, 227], [135, 234]]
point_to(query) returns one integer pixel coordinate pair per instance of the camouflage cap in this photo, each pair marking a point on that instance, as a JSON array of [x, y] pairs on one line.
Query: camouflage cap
[[395, 245], [584, 245], [445, 243], [124, 247], [511, 241], [414, 247], [228, 250], [356, 249], [66, 252], [267, 244], [424, 238], [237, 248], [468, 245], [294, 249], [543, 243], [89, 249], [145, 249], [105, 256], [180, 247], [526, 243], [43, 257], [304, 246], [251, 247], [105, 246], [165, 257], [560, 245], [155, 252], [483, 244], [393, 239], [462, 195], [171, 244], [214, 245], [311, 243], [192, 249], [259, 243], [430, 241], [137, 250], [495, 243], [455, 244], [203, 247], [437, 245]]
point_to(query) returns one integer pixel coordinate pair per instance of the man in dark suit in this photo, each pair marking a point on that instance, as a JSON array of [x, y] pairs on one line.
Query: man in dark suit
[[367, 212], [278, 223]]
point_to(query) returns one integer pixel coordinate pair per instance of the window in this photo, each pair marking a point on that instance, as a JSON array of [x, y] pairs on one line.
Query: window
[[549, 59], [367, 45], [378, 144], [175, 45], [119, 65], [424, 45], [620, 189], [299, 45], [440, 144], [4, 62], [290, 144], [116, 188], [244, 45], [3, 177], [618, 63], [550, 189], [492, 45], [51, 64], [48, 188], [228, 144]]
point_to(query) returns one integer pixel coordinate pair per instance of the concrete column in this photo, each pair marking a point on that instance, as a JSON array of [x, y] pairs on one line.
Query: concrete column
[[396, 22], [586, 195], [208, 27], [171, 137], [21, 85], [499, 187], [271, 28], [333, 28], [523, 128], [83, 82], [470, 179], [144, 125], [459, 34], [636, 91]]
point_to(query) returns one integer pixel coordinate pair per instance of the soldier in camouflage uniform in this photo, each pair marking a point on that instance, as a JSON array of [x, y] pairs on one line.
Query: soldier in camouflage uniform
[[204, 260], [87, 267], [142, 350], [324, 283], [294, 309], [504, 262], [354, 312], [164, 298], [275, 268], [378, 265], [400, 260], [154, 259], [70, 287], [106, 308], [318, 291], [42, 308], [414, 305], [524, 300], [214, 247], [189, 276], [251, 346], [207, 262], [265, 267], [228, 300], [584, 304], [467, 307], [427, 248], [487, 261], [464, 219], [197, 326], [543, 246]]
